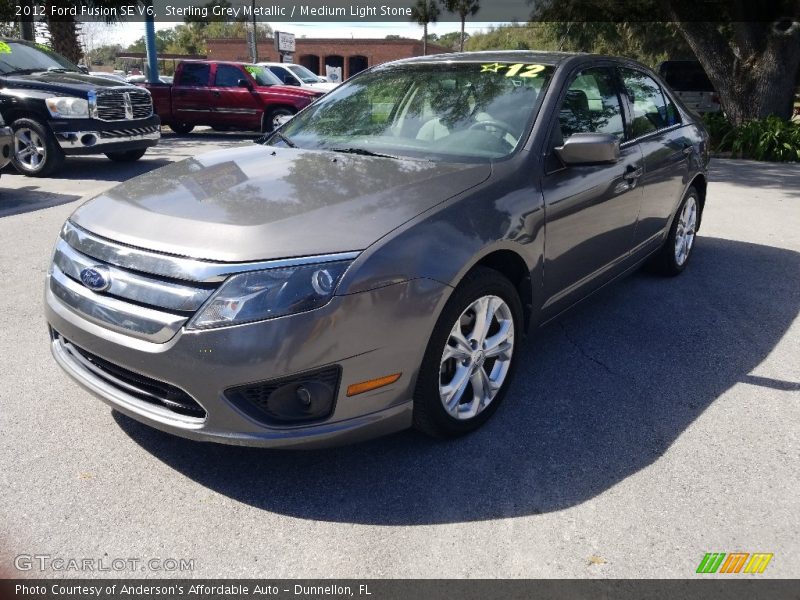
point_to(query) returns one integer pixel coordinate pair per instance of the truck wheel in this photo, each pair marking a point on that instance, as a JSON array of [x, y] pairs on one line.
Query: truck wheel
[[36, 152], [271, 118], [127, 155], [181, 128]]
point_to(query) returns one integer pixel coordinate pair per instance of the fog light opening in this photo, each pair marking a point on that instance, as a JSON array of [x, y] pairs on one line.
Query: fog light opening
[[372, 384], [89, 139]]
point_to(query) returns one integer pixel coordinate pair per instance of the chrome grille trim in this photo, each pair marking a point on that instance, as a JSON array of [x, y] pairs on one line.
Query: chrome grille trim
[[132, 286], [177, 267], [110, 104], [131, 319], [132, 131]]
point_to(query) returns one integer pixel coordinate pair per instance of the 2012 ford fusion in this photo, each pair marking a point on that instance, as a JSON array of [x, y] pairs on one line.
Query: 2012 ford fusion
[[376, 262]]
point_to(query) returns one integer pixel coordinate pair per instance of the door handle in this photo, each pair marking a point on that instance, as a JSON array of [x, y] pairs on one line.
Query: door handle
[[215, 93], [687, 149], [632, 173]]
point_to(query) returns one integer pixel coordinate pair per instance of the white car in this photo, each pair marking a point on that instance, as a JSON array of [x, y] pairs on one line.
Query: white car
[[292, 74]]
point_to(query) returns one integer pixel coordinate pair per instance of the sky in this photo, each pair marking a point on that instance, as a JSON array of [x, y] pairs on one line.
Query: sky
[[126, 33]]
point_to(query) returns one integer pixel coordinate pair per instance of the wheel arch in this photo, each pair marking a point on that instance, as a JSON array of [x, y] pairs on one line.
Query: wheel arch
[[700, 183]]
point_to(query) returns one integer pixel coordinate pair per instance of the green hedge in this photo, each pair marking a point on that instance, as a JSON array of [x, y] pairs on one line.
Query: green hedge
[[770, 139]]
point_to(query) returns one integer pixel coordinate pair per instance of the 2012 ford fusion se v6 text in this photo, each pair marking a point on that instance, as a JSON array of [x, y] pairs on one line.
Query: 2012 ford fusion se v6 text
[[375, 263]]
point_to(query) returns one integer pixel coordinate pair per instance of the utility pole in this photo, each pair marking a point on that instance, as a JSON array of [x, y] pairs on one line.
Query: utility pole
[[26, 29], [150, 48], [255, 34]]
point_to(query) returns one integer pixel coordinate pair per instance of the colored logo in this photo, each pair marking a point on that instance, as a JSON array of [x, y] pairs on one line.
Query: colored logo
[[96, 278], [735, 562]]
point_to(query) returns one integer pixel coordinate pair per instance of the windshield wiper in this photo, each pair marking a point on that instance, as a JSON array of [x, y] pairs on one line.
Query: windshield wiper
[[61, 70], [284, 139], [362, 152]]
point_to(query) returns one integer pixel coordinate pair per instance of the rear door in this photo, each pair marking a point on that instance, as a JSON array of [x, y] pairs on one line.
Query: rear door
[[191, 97], [235, 106], [591, 210], [656, 127]]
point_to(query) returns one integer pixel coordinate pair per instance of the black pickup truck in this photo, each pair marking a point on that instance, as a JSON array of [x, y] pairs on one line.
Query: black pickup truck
[[55, 110]]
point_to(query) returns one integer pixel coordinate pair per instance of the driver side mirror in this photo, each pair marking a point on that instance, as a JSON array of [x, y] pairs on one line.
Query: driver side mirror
[[589, 148], [244, 83]]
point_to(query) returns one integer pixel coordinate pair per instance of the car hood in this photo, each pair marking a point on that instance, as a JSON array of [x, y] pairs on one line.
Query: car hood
[[321, 87], [66, 83], [289, 90], [261, 202]]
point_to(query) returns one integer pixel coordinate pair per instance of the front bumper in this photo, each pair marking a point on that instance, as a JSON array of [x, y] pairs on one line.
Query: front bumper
[[367, 335], [91, 136], [6, 144]]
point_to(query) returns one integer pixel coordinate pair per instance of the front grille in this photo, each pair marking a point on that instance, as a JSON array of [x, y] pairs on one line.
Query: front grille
[[114, 133], [111, 104], [137, 385]]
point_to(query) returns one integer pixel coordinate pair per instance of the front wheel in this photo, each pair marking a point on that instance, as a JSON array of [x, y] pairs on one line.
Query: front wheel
[[274, 118], [36, 152], [127, 155], [674, 255], [470, 357]]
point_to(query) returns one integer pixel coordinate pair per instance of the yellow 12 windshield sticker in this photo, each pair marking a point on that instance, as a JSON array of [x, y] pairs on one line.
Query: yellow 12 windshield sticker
[[513, 70], [5, 48]]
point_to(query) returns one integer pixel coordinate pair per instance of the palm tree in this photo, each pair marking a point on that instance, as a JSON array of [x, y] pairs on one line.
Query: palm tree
[[424, 12], [464, 9]]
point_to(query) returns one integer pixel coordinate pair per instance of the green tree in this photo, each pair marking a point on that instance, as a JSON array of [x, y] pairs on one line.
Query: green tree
[[452, 40], [422, 13], [464, 9], [751, 51]]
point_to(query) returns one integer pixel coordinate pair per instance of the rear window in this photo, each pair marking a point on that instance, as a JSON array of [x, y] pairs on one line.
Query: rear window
[[194, 74], [686, 77]]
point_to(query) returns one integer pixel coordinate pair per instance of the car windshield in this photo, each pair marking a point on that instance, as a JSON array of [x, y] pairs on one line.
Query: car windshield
[[262, 75], [303, 74], [28, 58], [435, 111]]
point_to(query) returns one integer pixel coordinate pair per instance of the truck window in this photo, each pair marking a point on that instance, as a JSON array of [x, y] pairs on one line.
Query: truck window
[[194, 74], [283, 75], [228, 76]]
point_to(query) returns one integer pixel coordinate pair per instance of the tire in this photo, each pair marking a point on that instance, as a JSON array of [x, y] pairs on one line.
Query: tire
[[127, 155], [674, 255], [181, 128], [36, 152], [439, 375], [268, 121]]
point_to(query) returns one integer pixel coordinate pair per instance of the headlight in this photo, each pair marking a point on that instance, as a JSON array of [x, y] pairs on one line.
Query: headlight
[[268, 294], [66, 107]]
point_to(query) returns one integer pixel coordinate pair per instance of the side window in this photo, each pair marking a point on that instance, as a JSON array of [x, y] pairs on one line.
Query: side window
[[592, 105], [651, 109], [228, 76], [194, 74], [281, 74]]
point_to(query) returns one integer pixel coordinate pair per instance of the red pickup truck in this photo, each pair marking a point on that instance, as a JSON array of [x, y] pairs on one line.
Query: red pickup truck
[[226, 95]]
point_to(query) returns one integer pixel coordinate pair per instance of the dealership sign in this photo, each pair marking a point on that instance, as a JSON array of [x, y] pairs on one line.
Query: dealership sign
[[284, 42]]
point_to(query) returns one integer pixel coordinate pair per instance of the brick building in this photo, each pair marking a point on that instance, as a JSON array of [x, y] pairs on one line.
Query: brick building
[[352, 55]]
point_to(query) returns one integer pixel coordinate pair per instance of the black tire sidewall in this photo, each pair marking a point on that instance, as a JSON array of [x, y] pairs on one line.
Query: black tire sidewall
[[181, 128], [54, 157], [429, 413], [126, 155]]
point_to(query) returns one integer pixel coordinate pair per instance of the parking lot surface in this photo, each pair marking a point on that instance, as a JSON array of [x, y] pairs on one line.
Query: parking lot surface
[[656, 422]]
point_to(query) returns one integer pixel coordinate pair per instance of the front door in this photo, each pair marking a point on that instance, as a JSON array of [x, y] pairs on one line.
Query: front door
[[234, 106], [191, 98], [590, 210]]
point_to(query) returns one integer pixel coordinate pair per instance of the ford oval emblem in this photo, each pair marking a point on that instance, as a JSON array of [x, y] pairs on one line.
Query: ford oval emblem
[[96, 278]]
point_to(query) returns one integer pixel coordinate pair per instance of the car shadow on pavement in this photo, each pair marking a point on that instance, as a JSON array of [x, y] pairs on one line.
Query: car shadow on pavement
[[29, 199], [755, 174], [599, 395]]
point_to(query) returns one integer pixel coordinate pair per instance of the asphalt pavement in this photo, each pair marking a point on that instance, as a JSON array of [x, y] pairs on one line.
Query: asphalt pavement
[[656, 422]]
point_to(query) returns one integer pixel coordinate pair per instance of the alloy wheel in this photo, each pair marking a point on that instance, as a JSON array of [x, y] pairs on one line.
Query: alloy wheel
[[476, 357], [684, 234], [29, 148]]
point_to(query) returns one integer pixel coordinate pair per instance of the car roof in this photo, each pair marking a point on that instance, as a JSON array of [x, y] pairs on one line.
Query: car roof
[[547, 58]]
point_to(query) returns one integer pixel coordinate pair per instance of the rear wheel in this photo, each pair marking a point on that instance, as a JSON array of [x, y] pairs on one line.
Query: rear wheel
[[470, 357], [36, 152], [127, 155], [181, 128], [674, 255]]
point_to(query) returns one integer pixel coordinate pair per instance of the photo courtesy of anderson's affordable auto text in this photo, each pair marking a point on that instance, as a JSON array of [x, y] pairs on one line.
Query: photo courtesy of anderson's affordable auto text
[[399, 298]]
